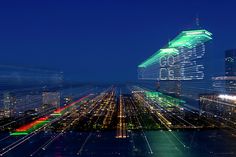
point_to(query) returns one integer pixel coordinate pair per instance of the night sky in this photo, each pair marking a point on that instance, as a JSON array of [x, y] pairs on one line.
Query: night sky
[[105, 40]]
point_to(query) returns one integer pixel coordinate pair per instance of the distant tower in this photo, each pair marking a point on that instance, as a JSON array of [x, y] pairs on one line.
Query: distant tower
[[8, 104], [230, 70], [230, 62], [51, 99]]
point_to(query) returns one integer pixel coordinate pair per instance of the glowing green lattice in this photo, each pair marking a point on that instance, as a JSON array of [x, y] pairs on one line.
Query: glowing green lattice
[[190, 38], [163, 99], [157, 55], [187, 39]]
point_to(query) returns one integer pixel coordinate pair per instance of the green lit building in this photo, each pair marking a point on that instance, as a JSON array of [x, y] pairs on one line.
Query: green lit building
[[179, 59]]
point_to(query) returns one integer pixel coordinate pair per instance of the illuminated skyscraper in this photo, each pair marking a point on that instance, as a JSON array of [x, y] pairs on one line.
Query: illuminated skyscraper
[[180, 65], [8, 104], [179, 60], [51, 99], [230, 62], [230, 70]]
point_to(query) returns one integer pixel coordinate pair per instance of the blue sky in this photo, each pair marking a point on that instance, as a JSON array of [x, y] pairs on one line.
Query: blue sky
[[105, 40]]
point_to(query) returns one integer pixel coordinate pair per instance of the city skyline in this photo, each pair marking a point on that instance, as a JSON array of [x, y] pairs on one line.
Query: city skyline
[[118, 78]]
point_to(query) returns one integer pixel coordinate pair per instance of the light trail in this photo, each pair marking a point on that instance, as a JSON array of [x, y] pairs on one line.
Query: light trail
[[90, 134], [4, 138], [83, 145], [47, 143], [121, 125], [161, 118], [144, 135], [31, 134]]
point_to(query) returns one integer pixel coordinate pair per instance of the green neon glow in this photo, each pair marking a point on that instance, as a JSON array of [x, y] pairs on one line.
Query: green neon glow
[[18, 133], [37, 126], [161, 53], [29, 130], [163, 99], [190, 38], [186, 39]]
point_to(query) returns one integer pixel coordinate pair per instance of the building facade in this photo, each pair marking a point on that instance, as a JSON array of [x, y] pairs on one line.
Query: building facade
[[230, 71]]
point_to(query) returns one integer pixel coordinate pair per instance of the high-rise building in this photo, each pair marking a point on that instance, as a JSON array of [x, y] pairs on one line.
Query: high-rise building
[[181, 59], [51, 99], [230, 70], [230, 62], [180, 65], [8, 104]]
